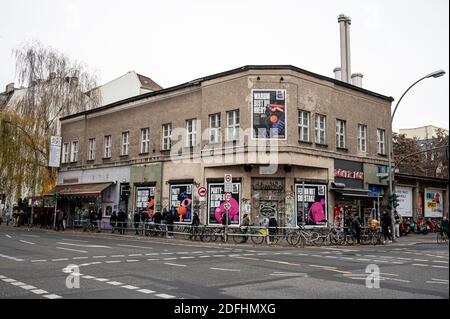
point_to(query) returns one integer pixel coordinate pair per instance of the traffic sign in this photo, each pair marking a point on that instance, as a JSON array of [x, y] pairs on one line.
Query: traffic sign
[[227, 196], [201, 191], [382, 174], [227, 205], [228, 182]]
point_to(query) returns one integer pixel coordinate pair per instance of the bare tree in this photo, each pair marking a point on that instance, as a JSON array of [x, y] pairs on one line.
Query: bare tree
[[56, 86]]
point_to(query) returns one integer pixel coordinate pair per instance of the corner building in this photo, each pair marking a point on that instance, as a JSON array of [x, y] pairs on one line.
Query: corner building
[[328, 140]]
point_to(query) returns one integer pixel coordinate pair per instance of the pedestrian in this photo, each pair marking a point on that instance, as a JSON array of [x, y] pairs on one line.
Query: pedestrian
[[157, 220], [444, 226], [397, 221], [121, 218], [99, 220], [386, 223], [113, 221], [244, 227], [136, 220], [273, 227], [170, 220], [7, 216], [85, 219], [59, 219], [357, 228]]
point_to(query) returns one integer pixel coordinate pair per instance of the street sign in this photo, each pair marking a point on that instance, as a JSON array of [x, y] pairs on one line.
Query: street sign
[[227, 196], [382, 174], [55, 151], [228, 182], [201, 191], [227, 206]]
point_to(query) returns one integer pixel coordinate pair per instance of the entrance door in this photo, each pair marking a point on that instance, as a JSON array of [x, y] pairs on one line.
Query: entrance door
[[268, 200]]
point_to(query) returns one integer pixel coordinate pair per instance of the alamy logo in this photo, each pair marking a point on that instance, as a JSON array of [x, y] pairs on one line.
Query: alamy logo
[[373, 279], [73, 279]]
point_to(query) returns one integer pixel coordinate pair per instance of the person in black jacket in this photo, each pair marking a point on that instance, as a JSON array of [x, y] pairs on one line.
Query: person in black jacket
[[386, 223], [113, 221], [170, 220], [121, 219], [357, 228], [136, 220]]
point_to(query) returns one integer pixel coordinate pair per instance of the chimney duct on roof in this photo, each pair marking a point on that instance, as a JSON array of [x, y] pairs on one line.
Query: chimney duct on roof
[[357, 79], [337, 73], [9, 88], [344, 30]]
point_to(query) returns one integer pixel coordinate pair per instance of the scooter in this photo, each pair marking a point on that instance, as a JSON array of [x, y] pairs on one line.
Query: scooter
[[432, 225], [405, 228], [422, 227]]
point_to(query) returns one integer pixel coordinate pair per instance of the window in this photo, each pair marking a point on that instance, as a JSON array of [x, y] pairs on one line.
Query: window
[[107, 144], [65, 157], [214, 128], [320, 129], [340, 134], [381, 141], [303, 126], [74, 153], [145, 140], [191, 128], [91, 149], [362, 133], [233, 125], [167, 136], [125, 143]]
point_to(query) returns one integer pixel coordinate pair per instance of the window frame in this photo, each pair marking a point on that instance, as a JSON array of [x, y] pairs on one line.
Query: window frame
[[215, 129], [125, 145], [107, 147], [362, 140], [91, 149], [318, 131], [381, 142], [191, 136], [341, 134], [234, 127], [74, 152], [166, 138], [65, 152], [145, 143], [302, 126]]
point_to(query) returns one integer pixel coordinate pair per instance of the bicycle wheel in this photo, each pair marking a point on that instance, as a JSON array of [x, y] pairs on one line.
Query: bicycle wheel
[[313, 238], [293, 238], [205, 235], [187, 233], [258, 238]]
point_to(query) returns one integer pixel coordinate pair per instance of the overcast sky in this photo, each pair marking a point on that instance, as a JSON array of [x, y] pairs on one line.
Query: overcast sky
[[393, 42]]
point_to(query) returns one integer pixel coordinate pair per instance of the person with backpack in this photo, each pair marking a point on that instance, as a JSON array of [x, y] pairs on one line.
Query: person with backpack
[[356, 224], [397, 222]]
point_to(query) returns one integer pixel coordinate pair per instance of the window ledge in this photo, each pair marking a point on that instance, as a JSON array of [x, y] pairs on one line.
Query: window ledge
[[106, 158], [124, 156], [321, 145], [90, 160], [344, 149], [384, 155], [305, 142], [144, 153]]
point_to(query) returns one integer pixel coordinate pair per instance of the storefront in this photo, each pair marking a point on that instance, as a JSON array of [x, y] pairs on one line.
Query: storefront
[[216, 202], [311, 203], [268, 199]]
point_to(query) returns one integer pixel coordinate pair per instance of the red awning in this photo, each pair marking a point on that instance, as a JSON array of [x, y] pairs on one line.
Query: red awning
[[94, 189]]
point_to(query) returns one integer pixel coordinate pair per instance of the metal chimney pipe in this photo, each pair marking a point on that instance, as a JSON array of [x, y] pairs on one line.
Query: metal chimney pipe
[[343, 35], [348, 21], [357, 79], [337, 73]]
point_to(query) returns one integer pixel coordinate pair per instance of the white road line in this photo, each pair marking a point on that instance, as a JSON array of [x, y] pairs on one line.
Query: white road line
[[152, 254], [363, 259], [397, 262], [153, 259], [224, 269], [281, 262], [218, 255], [112, 261], [79, 257], [99, 257], [187, 257], [170, 258], [436, 279], [8, 236], [346, 258], [436, 282], [115, 283], [77, 250], [177, 265], [9, 280], [132, 260], [197, 252], [27, 242], [441, 261], [445, 267], [402, 258], [167, 253], [130, 287], [334, 257], [319, 266], [420, 265], [28, 287], [204, 256], [249, 258], [60, 259], [101, 279], [115, 256], [1, 277], [38, 260], [146, 291], [145, 247], [39, 291], [165, 296], [82, 241], [289, 274], [88, 277], [420, 259], [134, 255], [96, 262], [182, 252], [86, 246], [52, 296], [18, 283]]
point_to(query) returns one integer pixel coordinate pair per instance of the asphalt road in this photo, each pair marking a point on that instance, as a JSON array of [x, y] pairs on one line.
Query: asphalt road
[[33, 264]]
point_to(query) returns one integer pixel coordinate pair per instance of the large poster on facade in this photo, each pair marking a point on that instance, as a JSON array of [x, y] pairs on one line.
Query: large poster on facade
[[405, 201], [216, 203], [433, 203], [311, 204], [269, 114], [54, 157], [145, 199], [181, 201]]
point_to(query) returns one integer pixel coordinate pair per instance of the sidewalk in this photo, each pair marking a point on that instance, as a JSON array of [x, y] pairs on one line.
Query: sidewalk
[[416, 239]]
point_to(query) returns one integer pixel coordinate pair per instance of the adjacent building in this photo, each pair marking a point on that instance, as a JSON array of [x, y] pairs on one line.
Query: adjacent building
[[301, 147]]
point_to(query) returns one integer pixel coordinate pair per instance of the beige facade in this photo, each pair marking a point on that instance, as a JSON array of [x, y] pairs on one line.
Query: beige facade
[[230, 91]]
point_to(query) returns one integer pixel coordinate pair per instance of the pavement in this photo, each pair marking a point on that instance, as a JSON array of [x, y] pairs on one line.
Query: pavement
[[45, 264]]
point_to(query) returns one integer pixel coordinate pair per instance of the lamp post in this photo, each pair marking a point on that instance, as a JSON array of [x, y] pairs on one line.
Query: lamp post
[[434, 74]]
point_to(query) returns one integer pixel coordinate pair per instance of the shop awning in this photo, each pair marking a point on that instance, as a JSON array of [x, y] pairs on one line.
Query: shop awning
[[351, 192], [93, 189]]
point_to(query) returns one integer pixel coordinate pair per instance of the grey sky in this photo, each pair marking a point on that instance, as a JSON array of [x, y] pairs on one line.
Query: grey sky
[[393, 42]]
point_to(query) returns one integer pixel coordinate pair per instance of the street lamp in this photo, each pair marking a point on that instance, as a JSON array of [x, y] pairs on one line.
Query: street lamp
[[434, 74]]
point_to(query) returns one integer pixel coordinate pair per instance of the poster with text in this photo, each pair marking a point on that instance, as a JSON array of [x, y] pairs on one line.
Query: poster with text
[[405, 201], [145, 199], [311, 204], [269, 114], [216, 203], [181, 200], [433, 203]]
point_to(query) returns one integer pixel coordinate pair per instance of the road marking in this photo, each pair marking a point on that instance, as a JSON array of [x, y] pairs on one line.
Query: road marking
[[146, 291], [445, 267], [204, 256], [87, 246], [52, 296], [130, 287], [39, 291], [145, 247], [99, 257], [134, 255], [334, 257], [165, 296], [277, 273], [420, 259], [441, 261], [77, 250], [96, 262], [445, 280], [166, 253], [18, 283], [60, 259], [115, 256], [224, 269], [112, 261], [218, 255], [88, 277], [182, 252], [79, 257], [397, 262], [363, 259], [101, 279], [197, 252], [319, 266], [8, 236], [187, 257], [9, 280], [38, 260], [115, 283], [281, 262], [402, 258], [1, 277], [436, 282], [27, 242], [132, 260], [83, 241], [177, 265], [249, 258], [420, 265], [170, 258], [28, 287]]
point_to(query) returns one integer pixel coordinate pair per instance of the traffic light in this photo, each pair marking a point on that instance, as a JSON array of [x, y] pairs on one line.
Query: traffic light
[[393, 201]]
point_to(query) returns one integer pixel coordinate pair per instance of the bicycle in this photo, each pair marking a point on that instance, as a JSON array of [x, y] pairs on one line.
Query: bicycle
[[441, 236], [303, 237]]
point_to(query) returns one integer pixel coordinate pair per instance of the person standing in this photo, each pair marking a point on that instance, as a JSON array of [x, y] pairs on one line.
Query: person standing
[[357, 228], [397, 222], [99, 220], [157, 219], [273, 228], [59, 220], [386, 222], [136, 220], [170, 220], [121, 218], [244, 227], [7, 217], [113, 221]]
